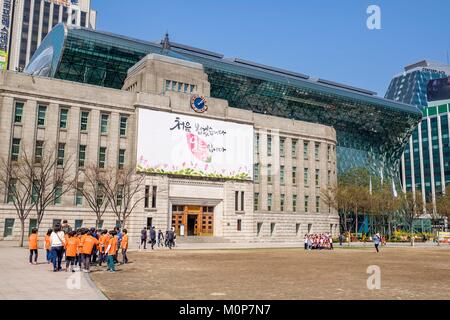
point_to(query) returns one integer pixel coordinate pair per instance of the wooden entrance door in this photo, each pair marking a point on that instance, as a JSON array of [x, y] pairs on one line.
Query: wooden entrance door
[[197, 221]]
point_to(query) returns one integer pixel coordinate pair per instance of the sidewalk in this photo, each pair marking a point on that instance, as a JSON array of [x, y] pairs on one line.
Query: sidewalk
[[21, 281]]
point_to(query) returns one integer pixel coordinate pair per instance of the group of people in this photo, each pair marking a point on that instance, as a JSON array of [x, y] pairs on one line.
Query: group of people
[[159, 239], [81, 247], [318, 241]]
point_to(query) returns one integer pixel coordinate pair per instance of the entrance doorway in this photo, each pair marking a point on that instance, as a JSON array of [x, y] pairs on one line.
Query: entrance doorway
[[197, 221], [192, 225]]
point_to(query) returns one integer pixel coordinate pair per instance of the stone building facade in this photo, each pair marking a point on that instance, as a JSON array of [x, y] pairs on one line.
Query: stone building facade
[[293, 160]]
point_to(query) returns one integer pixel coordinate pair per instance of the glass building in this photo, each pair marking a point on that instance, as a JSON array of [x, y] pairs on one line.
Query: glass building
[[425, 165], [371, 131], [32, 20]]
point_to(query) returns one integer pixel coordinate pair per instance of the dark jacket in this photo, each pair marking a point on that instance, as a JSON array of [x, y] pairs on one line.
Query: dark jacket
[[170, 235], [152, 234], [144, 234]]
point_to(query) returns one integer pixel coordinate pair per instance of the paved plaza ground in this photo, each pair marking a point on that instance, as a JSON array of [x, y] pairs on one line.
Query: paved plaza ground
[[21, 281], [269, 273], [190, 272]]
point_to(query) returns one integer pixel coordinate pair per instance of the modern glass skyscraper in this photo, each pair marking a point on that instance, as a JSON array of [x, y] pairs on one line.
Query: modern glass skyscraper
[[25, 23], [425, 165]]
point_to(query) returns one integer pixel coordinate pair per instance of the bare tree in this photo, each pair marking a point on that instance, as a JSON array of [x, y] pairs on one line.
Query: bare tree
[[124, 190], [15, 183], [93, 190], [49, 176], [443, 205], [412, 207]]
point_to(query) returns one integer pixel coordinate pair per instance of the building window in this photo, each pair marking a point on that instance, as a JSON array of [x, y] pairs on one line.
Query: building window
[[57, 194], [84, 121], [15, 149], [317, 204], [269, 202], [38, 151], [305, 150], [306, 176], [306, 204], [63, 116], [269, 173], [32, 225], [257, 143], [9, 227], [256, 172], [282, 174], [297, 228], [154, 193], [102, 158], [79, 194], [239, 225], [294, 175], [282, 198], [82, 156], [242, 200], [258, 228], [147, 197], [328, 152], [104, 123], [121, 158], [123, 126], [236, 201], [41, 115], [294, 148], [34, 192], [294, 203], [256, 202], [18, 112], [272, 229], [317, 177], [269, 145], [12, 185], [61, 152], [329, 178], [282, 146], [317, 151], [78, 224], [119, 196]]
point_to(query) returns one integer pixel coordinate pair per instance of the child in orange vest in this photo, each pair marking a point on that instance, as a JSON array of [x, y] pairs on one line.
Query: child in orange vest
[[48, 247], [103, 243], [124, 246], [111, 251], [88, 243], [33, 245], [71, 250]]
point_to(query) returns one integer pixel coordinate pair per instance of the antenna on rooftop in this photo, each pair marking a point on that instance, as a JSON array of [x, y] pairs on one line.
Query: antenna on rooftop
[[166, 42]]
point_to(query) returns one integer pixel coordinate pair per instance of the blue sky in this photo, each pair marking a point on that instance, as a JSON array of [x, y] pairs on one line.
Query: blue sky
[[321, 38]]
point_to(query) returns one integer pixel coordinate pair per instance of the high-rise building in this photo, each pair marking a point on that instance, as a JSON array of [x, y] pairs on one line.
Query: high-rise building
[[425, 165], [25, 23]]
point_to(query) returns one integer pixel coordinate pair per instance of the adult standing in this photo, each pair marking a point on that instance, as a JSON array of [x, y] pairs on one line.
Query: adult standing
[[341, 239], [170, 238], [57, 242], [377, 241], [160, 238], [144, 238], [152, 237], [66, 227]]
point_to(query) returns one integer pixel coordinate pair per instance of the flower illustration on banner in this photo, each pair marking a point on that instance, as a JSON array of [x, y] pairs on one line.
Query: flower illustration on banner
[[198, 147]]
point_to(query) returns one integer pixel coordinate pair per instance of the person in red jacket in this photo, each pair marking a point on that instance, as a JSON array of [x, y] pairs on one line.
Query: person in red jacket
[[33, 245]]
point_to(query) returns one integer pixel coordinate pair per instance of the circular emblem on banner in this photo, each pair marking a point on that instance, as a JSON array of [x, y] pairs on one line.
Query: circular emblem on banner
[[198, 104]]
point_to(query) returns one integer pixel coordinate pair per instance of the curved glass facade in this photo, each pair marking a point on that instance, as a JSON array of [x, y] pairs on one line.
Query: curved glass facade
[[371, 131]]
